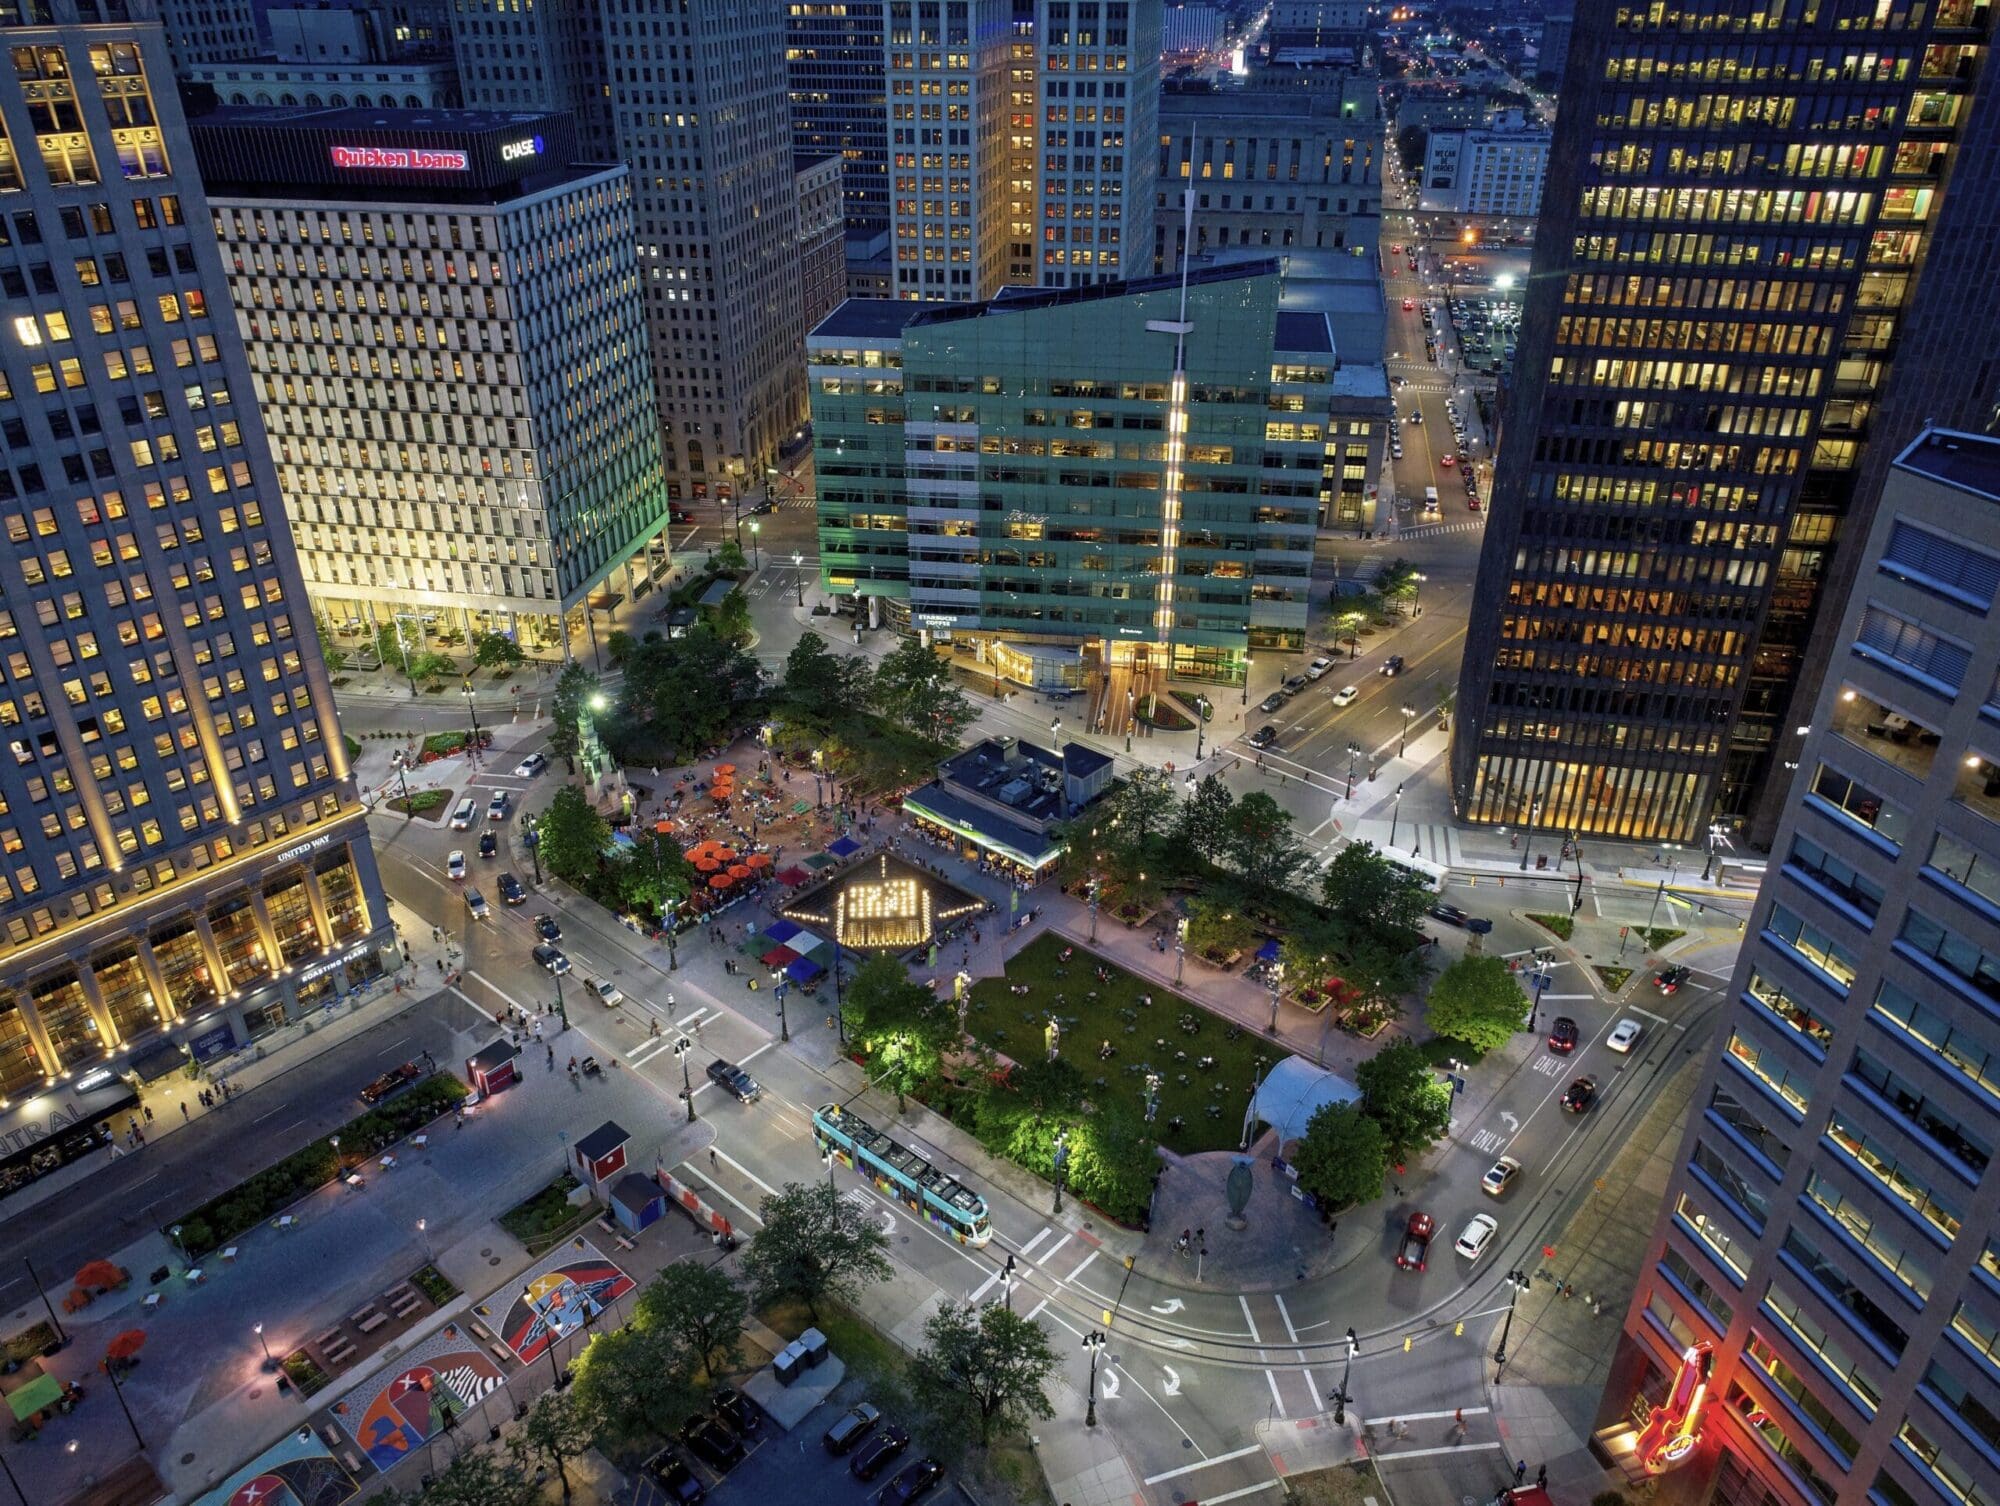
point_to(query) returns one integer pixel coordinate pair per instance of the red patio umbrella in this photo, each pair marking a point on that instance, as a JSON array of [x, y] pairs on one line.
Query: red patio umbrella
[[738, 871], [99, 1274], [708, 865], [720, 881], [758, 860], [126, 1344]]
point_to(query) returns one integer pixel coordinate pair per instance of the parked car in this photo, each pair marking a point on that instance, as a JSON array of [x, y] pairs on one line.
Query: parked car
[[1500, 1177], [1393, 665], [463, 813], [548, 928], [1624, 1035], [609, 994], [1563, 1035], [712, 1443], [548, 957], [733, 1080], [496, 808], [1294, 684], [1274, 700], [878, 1453], [1264, 736], [851, 1427], [734, 1408], [1477, 1235], [489, 844], [670, 1472], [1345, 695], [454, 865], [392, 1081], [512, 891], [1414, 1253], [916, 1480], [476, 903], [1669, 979], [1581, 1095], [1318, 667], [530, 766]]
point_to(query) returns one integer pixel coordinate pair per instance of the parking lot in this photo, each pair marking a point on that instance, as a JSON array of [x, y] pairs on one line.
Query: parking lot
[[1486, 326]]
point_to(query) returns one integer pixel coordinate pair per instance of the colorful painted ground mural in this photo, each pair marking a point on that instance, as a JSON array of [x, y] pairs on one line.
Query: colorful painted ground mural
[[564, 1294], [298, 1470], [393, 1415]]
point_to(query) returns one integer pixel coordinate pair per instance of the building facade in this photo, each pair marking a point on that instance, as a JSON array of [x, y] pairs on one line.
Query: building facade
[[1000, 476], [1706, 334], [462, 436], [1493, 172], [822, 240], [1829, 1248], [688, 104], [361, 55], [1270, 169], [833, 70], [1100, 100], [186, 862]]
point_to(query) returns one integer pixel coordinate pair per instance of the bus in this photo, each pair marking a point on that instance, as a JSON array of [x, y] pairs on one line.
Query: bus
[[1430, 499], [895, 1169], [1432, 874]]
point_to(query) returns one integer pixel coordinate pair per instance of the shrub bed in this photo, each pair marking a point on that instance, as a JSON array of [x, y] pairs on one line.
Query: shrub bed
[[540, 1221], [435, 1285], [1560, 925], [249, 1203]]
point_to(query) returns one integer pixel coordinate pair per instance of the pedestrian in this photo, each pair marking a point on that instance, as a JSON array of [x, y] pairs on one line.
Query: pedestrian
[[440, 964], [148, 1108], [711, 1158], [1520, 1470], [1542, 1475], [552, 1058]]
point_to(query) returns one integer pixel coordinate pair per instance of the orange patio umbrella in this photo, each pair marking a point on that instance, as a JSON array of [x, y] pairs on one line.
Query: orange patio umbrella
[[720, 881], [724, 770], [758, 860], [738, 871], [126, 1344], [663, 825], [707, 865], [97, 1273]]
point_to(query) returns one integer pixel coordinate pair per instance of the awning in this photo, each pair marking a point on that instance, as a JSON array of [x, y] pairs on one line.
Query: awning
[[158, 1060], [806, 941], [1008, 839], [791, 878], [804, 970], [781, 930]]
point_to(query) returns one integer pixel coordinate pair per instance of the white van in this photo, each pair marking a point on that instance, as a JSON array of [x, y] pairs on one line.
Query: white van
[[462, 818], [1430, 499]]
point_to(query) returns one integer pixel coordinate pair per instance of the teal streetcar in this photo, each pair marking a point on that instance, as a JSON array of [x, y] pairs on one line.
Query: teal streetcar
[[898, 1169]]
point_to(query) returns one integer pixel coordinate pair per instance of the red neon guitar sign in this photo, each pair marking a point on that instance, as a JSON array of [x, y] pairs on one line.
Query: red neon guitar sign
[[1672, 1431]]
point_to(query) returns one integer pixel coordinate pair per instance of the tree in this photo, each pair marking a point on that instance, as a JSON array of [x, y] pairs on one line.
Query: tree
[[913, 687], [903, 1026], [701, 1307], [1204, 819], [480, 1477], [1401, 1093], [687, 693], [1413, 142], [1259, 841], [576, 689], [822, 684], [814, 1245], [395, 641], [653, 873], [430, 665], [729, 557], [993, 1362], [618, 646], [572, 834], [1217, 927], [1343, 1156], [559, 1427], [636, 1380], [1478, 1001], [732, 619], [1396, 582], [496, 651], [1368, 893], [1140, 805]]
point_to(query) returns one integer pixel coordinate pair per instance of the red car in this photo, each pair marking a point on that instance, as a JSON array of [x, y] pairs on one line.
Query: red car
[[1563, 1035], [1415, 1251], [1409, 305], [1447, 461]]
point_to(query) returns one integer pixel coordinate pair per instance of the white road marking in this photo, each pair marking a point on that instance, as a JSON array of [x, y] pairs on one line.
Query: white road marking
[[984, 1287], [1276, 1400], [1047, 1255], [489, 983], [1188, 1469], [1248, 1490], [1312, 1386], [769, 1190], [1038, 1309], [1278, 1298], [1028, 1248], [1250, 1322], [1657, 1018], [1082, 1266], [1383, 1456], [1383, 1422], [724, 1192]]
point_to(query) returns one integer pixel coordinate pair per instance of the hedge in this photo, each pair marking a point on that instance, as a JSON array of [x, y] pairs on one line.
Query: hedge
[[263, 1196]]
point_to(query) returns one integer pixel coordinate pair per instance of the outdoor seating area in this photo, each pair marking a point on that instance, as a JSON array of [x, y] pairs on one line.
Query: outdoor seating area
[[366, 1329]]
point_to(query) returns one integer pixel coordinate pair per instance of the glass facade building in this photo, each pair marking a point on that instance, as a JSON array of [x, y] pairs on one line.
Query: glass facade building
[[833, 68], [1741, 194], [1005, 474], [1831, 1228]]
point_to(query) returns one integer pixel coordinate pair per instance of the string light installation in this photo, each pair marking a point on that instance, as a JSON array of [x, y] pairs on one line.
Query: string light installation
[[883, 904]]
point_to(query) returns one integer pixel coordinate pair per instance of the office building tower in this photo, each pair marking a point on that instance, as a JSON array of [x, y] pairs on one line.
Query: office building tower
[[1828, 1256], [1100, 103], [1006, 475], [822, 241], [696, 106], [184, 864], [464, 435], [1024, 134], [833, 71], [1269, 169], [1552, 49], [353, 55], [1299, 27], [1493, 171], [1715, 306], [197, 31]]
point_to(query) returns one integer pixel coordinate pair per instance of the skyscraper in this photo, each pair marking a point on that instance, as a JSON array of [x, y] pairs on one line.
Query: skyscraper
[[1828, 1255], [833, 66], [1100, 100], [181, 846], [1741, 199], [695, 103]]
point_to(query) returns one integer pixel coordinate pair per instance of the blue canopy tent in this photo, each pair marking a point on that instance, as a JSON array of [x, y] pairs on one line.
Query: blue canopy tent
[[781, 932], [803, 970], [843, 847], [1268, 952]]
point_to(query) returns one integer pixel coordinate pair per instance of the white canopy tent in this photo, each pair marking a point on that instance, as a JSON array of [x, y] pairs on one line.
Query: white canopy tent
[[1291, 1093]]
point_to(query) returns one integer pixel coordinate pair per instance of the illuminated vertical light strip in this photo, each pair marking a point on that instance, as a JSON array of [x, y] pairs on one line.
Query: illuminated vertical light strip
[[1177, 422]]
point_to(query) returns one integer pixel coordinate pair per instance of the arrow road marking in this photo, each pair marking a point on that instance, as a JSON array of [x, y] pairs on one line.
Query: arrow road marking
[[1513, 1124], [1171, 1305], [1174, 1343], [1171, 1386], [1107, 1382]]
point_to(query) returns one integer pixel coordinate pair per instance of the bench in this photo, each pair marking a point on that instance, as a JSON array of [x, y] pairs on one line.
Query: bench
[[337, 1354], [403, 1303], [501, 1352], [368, 1319], [353, 1462], [328, 1340]]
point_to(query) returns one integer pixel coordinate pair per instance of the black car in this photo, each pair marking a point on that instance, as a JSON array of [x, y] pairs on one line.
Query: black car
[[511, 889], [1670, 979], [878, 1453], [1273, 701], [916, 1481], [712, 1443], [733, 1408], [670, 1472], [1563, 1035], [851, 1427], [1451, 915], [548, 957], [1264, 736], [489, 845], [1581, 1095], [733, 1080], [1393, 665], [548, 928]]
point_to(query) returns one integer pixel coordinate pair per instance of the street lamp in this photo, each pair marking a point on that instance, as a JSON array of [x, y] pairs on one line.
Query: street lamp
[[1528, 832], [756, 554], [472, 711], [1277, 983], [784, 1030], [799, 574], [1395, 812], [1246, 679], [1093, 1343], [423, 1233], [1517, 1283], [1060, 1158], [1353, 752], [1404, 741], [269, 1362], [1180, 947], [1341, 1398], [1093, 907], [673, 908], [681, 1049]]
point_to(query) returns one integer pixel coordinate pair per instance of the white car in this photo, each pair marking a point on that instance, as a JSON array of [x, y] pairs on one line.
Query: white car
[[1477, 1236], [1624, 1035], [1318, 667], [1500, 1176], [462, 817], [496, 808], [454, 866], [608, 993], [530, 766], [1346, 694]]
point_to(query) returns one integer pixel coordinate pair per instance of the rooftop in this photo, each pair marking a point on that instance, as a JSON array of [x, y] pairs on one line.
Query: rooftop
[[1970, 462], [870, 319], [1019, 300], [1358, 380], [370, 117], [1303, 331], [1021, 775]]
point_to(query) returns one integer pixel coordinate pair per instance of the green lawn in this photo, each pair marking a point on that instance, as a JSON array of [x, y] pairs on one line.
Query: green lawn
[[1013, 1024]]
